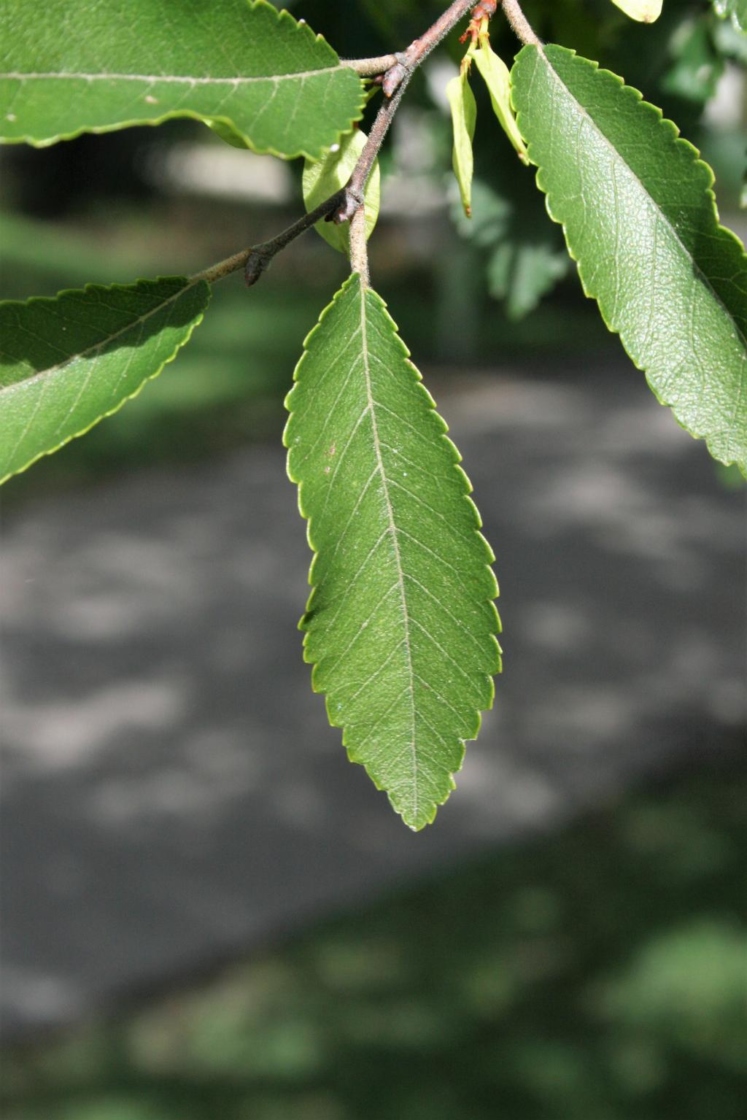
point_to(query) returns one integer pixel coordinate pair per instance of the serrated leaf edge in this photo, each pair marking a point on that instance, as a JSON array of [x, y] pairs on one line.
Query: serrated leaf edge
[[74, 357], [283, 16], [708, 180], [429, 817]]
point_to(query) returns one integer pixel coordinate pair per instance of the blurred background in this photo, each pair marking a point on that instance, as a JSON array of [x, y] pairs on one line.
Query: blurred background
[[207, 911]]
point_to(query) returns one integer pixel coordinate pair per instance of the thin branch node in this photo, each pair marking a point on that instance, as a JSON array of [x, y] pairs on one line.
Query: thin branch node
[[401, 70], [351, 203], [256, 263]]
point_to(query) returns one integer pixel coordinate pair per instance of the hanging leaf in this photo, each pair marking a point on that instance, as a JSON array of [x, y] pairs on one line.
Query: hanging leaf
[[321, 178], [498, 80], [70, 66], [643, 11], [639, 216], [400, 626], [463, 118], [67, 362]]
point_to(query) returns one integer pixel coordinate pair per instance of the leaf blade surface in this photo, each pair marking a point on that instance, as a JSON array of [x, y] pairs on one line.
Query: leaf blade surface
[[400, 625], [69, 66], [639, 217], [67, 362]]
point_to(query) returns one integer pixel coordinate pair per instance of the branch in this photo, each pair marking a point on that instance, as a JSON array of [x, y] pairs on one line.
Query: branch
[[358, 247], [519, 23], [394, 83], [256, 258], [395, 72], [370, 67], [353, 193], [408, 61]]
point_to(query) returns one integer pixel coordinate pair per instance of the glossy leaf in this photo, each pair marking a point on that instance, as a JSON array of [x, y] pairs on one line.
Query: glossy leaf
[[639, 216], [400, 626], [67, 362], [463, 119], [321, 178], [498, 80], [70, 66]]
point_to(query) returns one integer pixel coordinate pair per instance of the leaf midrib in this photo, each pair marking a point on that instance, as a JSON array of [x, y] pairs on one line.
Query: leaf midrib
[[406, 642], [100, 76], [700, 275]]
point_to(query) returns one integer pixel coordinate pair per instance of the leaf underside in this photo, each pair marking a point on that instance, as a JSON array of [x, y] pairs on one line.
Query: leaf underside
[[322, 178], [639, 216], [67, 362], [70, 66], [400, 625]]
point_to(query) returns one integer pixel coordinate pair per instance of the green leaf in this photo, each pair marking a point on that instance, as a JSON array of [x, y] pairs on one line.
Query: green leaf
[[70, 66], [639, 217], [463, 118], [321, 178], [400, 625], [67, 362], [735, 10], [498, 80]]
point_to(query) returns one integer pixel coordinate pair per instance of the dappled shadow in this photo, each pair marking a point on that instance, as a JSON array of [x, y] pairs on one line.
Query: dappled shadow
[[597, 973], [172, 791]]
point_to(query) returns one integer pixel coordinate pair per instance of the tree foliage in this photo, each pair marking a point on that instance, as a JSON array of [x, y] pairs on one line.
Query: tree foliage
[[400, 625]]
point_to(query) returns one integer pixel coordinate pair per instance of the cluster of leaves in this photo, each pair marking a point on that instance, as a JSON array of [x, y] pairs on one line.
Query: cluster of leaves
[[400, 626]]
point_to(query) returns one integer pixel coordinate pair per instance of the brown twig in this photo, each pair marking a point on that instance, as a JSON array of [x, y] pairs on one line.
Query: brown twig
[[358, 247], [256, 258], [370, 67], [356, 185], [519, 23], [409, 60], [394, 83], [395, 71]]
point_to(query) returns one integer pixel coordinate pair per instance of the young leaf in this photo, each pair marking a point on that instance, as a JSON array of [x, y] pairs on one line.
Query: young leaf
[[321, 178], [644, 11], [70, 66], [400, 625], [67, 362], [463, 118], [639, 217], [498, 80]]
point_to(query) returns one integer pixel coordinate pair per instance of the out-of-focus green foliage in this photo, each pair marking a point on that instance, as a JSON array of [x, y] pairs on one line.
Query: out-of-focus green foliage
[[595, 973]]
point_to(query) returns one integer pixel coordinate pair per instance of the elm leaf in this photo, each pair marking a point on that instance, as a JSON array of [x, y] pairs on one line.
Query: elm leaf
[[400, 625], [639, 217], [70, 66], [67, 362]]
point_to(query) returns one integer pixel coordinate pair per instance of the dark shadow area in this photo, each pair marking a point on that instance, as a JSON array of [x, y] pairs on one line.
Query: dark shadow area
[[598, 972], [172, 792]]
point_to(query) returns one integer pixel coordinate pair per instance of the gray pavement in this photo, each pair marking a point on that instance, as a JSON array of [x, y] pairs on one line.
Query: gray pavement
[[172, 793]]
